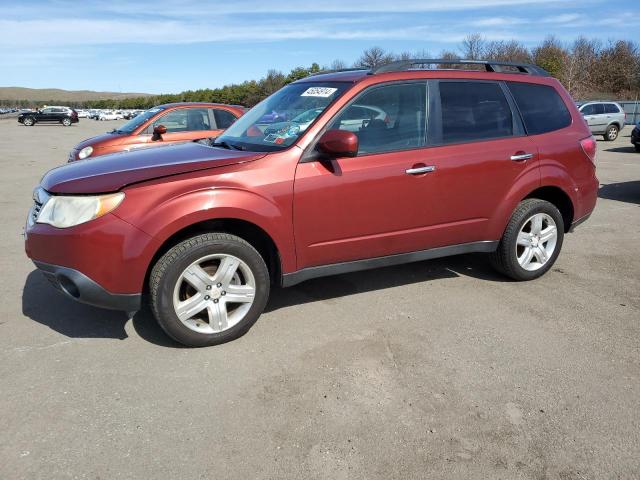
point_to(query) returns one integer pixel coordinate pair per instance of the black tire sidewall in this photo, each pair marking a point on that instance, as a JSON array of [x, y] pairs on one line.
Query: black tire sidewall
[[511, 236], [175, 265]]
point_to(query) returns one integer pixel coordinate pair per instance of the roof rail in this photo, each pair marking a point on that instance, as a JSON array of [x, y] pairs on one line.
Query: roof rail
[[489, 65], [339, 70]]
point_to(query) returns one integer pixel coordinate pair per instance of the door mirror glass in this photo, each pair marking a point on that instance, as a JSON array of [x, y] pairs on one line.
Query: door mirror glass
[[338, 143]]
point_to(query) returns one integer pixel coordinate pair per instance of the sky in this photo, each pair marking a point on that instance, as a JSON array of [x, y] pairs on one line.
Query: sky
[[167, 46]]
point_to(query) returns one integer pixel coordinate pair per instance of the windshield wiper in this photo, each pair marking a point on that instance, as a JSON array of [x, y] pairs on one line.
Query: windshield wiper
[[228, 146]]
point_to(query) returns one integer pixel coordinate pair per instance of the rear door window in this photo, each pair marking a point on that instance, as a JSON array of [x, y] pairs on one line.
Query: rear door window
[[542, 108], [223, 118], [611, 108], [473, 111]]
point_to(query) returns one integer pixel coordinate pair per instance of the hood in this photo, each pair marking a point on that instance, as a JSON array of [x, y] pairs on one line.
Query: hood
[[98, 139], [109, 173]]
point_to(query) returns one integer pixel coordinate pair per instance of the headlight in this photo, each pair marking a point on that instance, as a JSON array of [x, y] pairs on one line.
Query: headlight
[[85, 152], [66, 211]]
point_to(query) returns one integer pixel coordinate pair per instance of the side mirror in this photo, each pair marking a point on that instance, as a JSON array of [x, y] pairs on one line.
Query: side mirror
[[158, 131], [338, 143]]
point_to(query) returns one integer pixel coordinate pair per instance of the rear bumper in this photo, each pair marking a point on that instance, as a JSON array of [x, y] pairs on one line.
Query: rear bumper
[[81, 288]]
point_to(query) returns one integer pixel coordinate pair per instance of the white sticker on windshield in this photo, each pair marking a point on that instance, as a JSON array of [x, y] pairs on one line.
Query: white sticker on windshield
[[318, 92]]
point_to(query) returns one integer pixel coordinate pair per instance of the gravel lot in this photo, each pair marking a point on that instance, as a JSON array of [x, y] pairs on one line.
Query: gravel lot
[[439, 369]]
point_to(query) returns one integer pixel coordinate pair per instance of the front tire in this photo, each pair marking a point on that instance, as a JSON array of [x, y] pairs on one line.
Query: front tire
[[612, 133], [209, 289], [531, 242]]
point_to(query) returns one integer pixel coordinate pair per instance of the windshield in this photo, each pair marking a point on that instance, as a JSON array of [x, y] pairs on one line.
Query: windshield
[[278, 121], [135, 122]]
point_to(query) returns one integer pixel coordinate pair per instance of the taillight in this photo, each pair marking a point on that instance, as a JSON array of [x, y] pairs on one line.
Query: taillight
[[589, 147]]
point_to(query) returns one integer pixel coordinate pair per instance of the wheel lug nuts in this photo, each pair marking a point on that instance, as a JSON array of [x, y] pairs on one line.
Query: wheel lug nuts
[[207, 297], [223, 293], [219, 285], [215, 301], [208, 287]]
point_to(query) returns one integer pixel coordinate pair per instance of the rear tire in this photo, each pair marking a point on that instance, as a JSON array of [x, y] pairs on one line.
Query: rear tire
[[531, 242], [209, 289], [66, 122], [637, 148], [28, 122], [611, 134]]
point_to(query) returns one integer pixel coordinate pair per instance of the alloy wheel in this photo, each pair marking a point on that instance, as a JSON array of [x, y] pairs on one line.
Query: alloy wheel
[[612, 133], [214, 293], [536, 242]]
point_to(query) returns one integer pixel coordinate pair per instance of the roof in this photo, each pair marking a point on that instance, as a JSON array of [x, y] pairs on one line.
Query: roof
[[403, 67], [198, 104]]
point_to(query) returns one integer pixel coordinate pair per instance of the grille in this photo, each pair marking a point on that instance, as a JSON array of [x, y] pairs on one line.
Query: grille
[[36, 210], [40, 197]]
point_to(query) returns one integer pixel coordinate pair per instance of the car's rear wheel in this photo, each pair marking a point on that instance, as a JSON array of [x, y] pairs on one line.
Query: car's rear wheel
[[66, 122], [612, 133], [209, 289], [531, 242], [28, 121], [637, 148]]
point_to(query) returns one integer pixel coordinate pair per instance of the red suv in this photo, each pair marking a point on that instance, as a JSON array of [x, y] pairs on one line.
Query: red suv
[[161, 125], [333, 173]]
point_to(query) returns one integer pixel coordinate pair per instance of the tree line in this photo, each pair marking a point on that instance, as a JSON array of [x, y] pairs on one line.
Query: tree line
[[588, 68]]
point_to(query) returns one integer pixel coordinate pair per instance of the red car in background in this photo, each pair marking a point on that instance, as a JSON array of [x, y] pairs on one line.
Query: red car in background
[[161, 125]]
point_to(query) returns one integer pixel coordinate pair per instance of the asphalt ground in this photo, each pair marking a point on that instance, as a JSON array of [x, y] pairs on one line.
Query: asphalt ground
[[440, 369]]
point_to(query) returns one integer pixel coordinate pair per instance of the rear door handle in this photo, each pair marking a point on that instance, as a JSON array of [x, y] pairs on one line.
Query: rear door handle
[[521, 157], [419, 170]]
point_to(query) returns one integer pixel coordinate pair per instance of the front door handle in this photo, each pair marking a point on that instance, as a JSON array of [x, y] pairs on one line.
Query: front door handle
[[415, 170], [521, 156]]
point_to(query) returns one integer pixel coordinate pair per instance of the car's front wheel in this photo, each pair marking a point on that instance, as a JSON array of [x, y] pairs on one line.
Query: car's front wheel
[[66, 122], [531, 242], [611, 134], [637, 147], [209, 289]]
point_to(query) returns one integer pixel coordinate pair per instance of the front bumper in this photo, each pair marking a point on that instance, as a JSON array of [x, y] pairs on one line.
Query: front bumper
[[79, 287], [102, 262]]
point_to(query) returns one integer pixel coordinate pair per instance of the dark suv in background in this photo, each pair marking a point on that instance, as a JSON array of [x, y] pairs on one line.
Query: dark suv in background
[[441, 162], [63, 115]]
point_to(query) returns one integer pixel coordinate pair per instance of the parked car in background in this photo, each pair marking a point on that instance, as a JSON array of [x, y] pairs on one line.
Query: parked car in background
[[108, 115], [161, 125], [52, 114], [132, 114], [502, 164], [635, 137], [82, 113], [604, 118]]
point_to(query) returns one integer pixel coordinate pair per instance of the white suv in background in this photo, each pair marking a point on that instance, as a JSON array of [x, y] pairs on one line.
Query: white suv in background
[[603, 118]]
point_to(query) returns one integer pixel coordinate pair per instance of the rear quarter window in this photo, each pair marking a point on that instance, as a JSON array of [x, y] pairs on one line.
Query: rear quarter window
[[541, 107]]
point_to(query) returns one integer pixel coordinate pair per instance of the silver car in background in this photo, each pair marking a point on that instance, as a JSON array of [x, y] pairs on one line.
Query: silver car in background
[[604, 118]]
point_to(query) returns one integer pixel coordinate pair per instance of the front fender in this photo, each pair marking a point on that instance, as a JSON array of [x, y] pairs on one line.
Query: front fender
[[170, 215]]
